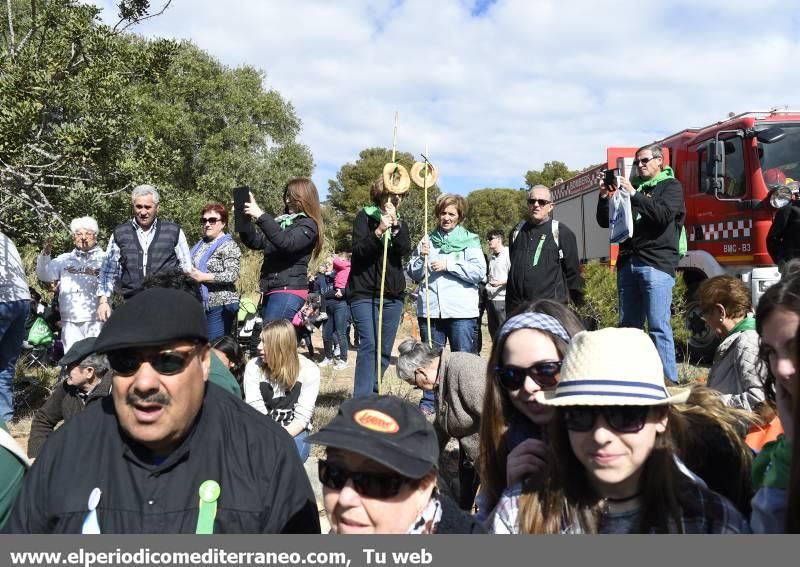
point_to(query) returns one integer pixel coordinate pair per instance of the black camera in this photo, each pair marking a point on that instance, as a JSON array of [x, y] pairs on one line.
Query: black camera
[[610, 177]]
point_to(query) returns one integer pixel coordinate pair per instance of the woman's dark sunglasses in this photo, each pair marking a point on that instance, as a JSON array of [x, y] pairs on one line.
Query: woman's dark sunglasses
[[127, 361], [545, 374], [622, 419], [371, 485]]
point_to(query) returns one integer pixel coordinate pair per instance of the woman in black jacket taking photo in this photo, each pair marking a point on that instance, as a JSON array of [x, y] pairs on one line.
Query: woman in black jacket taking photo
[[288, 242]]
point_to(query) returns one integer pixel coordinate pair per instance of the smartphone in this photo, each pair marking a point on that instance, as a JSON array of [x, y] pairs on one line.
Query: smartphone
[[241, 221], [610, 177]]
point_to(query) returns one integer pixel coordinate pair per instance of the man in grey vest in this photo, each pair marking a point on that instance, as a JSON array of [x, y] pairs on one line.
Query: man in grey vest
[[142, 246]]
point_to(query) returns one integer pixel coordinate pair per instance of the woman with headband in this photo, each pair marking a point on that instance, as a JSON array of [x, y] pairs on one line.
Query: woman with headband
[[526, 358]]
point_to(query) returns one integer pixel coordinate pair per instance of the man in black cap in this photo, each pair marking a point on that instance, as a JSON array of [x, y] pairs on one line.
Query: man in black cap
[[166, 452], [380, 474], [87, 380]]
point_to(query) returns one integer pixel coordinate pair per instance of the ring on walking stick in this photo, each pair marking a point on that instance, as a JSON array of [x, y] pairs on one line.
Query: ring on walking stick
[[417, 176], [395, 178]]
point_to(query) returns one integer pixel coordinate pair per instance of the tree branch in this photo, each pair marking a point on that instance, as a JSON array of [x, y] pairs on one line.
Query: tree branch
[[11, 39], [117, 29]]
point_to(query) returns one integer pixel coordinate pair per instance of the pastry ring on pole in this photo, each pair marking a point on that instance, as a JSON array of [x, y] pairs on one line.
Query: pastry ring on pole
[[395, 178], [417, 176]]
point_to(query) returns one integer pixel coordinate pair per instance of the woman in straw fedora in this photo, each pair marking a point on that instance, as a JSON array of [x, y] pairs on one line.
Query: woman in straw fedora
[[526, 358], [613, 466]]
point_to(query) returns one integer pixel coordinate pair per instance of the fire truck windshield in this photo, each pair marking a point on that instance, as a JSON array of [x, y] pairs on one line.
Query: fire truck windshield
[[780, 160]]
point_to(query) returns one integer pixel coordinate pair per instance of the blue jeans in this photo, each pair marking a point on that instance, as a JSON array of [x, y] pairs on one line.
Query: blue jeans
[[281, 305], [338, 318], [220, 320], [460, 333], [12, 333], [646, 293], [303, 448], [365, 316]]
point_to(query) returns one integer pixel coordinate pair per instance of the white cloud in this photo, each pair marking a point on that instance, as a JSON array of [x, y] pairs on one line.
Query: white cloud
[[494, 96]]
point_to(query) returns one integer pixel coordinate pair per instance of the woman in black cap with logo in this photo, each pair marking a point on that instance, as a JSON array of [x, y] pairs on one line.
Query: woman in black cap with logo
[[380, 474]]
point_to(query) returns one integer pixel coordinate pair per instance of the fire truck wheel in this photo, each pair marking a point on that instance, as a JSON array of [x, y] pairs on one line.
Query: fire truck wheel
[[702, 340]]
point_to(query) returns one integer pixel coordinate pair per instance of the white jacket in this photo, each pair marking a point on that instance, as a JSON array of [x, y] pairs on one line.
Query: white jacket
[[78, 273]]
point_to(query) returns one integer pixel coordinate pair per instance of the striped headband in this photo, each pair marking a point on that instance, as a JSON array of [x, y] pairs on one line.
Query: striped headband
[[534, 320]]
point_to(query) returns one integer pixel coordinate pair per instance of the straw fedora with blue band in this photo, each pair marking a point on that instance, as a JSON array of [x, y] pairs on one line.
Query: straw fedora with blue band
[[612, 367]]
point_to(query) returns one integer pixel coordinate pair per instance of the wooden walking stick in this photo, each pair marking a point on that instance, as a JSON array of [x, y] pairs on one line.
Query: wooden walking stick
[[383, 269], [428, 255], [428, 178]]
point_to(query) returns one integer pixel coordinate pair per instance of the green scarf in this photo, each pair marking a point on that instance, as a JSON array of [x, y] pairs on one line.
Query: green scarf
[[376, 213], [456, 240], [287, 220], [746, 324], [665, 173]]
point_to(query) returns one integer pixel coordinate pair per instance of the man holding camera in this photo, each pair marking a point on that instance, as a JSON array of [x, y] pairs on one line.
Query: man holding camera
[[543, 257], [647, 260]]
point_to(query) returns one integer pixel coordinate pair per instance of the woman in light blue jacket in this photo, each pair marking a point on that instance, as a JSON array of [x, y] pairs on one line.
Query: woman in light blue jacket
[[456, 265]]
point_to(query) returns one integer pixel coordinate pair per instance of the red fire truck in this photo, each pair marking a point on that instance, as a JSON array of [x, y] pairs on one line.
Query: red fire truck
[[735, 174]]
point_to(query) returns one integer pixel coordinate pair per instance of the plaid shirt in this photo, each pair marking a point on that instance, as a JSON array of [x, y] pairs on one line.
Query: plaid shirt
[[707, 513]]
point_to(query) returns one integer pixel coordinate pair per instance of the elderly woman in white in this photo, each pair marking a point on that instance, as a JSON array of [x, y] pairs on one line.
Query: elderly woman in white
[[77, 272]]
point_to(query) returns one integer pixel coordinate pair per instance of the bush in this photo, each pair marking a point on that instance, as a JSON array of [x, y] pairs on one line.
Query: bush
[[600, 310]]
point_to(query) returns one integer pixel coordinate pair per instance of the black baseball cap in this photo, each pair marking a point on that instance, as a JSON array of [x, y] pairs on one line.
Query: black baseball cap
[[154, 317], [78, 351], [387, 430]]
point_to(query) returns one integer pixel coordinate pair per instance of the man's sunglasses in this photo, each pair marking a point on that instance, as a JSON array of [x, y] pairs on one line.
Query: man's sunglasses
[[126, 362], [372, 485], [643, 161], [622, 419], [545, 374], [540, 202], [210, 220]]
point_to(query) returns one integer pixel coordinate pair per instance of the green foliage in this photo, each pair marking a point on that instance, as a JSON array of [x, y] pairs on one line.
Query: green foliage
[[87, 112], [349, 192], [600, 310], [551, 171], [492, 209]]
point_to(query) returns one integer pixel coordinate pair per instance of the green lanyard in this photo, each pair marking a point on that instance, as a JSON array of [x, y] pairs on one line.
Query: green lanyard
[[539, 250], [209, 493]]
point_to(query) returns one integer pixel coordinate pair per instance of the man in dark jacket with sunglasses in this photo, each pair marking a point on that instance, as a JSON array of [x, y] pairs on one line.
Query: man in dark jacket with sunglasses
[[647, 260], [166, 452]]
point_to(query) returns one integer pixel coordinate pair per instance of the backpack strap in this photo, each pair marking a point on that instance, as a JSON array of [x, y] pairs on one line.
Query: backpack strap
[[554, 228]]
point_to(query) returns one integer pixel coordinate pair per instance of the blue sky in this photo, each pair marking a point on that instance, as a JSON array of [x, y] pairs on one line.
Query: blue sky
[[497, 87]]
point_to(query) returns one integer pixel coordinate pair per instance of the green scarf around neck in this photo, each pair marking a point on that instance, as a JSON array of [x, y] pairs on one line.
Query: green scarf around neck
[[287, 220], [376, 213], [746, 324], [665, 173], [456, 240]]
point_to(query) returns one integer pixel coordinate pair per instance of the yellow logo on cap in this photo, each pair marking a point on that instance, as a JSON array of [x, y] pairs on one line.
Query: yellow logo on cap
[[376, 421]]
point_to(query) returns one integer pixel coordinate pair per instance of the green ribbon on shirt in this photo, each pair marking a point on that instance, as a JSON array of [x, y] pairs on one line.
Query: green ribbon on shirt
[[209, 494], [376, 213]]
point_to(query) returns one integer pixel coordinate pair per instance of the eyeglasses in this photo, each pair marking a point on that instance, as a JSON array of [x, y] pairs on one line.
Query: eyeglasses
[[622, 419], [540, 202], [545, 374], [126, 362], [644, 161], [210, 220], [371, 485]]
